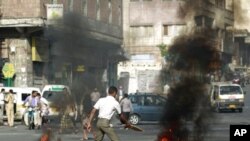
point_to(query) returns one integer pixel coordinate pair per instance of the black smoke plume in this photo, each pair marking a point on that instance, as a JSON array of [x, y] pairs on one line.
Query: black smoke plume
[[70, 46], [70, 43], [188, 102]]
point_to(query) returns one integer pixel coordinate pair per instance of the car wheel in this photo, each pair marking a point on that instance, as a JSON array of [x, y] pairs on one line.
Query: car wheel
[[134, 119]]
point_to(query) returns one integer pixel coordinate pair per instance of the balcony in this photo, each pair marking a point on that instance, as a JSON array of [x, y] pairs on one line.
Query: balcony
[[215, 12]]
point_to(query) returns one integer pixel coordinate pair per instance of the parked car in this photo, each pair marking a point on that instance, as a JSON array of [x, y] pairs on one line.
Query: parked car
[[146, 107]]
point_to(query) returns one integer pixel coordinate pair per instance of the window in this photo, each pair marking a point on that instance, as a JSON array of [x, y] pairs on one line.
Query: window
[[165, 30], [85, 7], [120, 15], [211, 1], [220, 3], [172, 30], [98, 10], [230, 90], [110, 11], [141, 100], [53, 96], [133, 99], [229, 5], [149, 101], [24, 96], [71, 5], [159, 101], [141, 31], [216, 91], [147, 31], [54, 1]]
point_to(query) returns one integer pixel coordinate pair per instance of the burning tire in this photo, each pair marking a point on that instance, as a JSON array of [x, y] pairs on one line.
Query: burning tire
[[134, 119]]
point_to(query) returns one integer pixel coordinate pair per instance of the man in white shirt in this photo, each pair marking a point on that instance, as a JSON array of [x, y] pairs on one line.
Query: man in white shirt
[[107, 107]]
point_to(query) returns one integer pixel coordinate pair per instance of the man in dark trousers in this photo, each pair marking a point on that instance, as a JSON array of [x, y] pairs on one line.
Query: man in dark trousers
[[107, 107]]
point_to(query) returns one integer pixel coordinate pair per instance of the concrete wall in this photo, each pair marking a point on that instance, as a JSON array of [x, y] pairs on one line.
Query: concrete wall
[[153, 12], [21, 58]]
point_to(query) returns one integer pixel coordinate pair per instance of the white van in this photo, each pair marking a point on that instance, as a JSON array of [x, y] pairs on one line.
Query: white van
[[20, 94], [226, 96], [52, 93]]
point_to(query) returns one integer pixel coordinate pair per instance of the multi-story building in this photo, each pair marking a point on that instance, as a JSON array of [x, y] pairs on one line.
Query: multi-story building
[[83, 49], [241, 33], [148, 24]]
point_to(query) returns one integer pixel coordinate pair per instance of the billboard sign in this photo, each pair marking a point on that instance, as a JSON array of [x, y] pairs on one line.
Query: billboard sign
[[54, 11]]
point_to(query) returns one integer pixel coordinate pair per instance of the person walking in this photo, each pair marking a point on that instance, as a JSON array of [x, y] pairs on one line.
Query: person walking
[[9, 100], [94, 96], [120, 93], [107, 107], [2, 94], [126, 106], [43, 110], [67, 107]]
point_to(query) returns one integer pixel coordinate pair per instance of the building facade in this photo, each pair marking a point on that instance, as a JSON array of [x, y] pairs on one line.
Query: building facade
[[241, 33], [72, 42], [148, 24]]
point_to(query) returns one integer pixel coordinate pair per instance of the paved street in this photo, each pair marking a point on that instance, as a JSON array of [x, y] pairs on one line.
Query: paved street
[[22, 133], [219, 128]]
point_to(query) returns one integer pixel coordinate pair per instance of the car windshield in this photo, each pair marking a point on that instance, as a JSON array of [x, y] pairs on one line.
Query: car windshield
[[52, 96], [225, 90]]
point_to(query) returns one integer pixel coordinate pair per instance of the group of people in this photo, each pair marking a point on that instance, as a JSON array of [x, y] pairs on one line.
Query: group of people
[[34, 100], [106, 107]]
